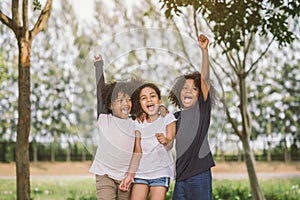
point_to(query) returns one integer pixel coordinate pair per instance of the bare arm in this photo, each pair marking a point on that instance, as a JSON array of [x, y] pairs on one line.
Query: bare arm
[[205, 72], [167, 140], [134, 163]]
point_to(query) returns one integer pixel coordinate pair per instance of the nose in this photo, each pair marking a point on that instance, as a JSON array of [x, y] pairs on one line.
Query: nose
[[189, 90], [126, 101]]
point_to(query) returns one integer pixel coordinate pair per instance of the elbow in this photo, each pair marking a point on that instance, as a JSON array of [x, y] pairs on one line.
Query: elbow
[[169, 145]]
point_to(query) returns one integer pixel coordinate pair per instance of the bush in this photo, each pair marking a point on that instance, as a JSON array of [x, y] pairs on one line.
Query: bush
[[274, 189]]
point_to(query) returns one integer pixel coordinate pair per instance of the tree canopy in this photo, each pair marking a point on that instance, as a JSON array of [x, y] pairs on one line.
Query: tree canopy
[[233, 20]]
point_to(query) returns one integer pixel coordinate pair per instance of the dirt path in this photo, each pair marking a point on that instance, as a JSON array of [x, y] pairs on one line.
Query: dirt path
[[228, 170]]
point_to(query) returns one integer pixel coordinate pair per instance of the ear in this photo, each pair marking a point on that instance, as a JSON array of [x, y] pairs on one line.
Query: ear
[[160, 101]]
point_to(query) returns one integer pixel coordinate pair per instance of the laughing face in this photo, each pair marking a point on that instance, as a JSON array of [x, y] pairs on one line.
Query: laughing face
[[189, 94], [121, 106], [149, 101]]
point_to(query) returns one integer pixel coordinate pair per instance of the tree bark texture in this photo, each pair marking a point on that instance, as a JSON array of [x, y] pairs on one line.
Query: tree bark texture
[[23, 129], [257, 193]]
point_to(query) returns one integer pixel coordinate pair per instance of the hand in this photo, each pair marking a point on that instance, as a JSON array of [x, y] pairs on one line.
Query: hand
[[163, 111], [161, 138], [97, 58], [203, 41], [125, 183]]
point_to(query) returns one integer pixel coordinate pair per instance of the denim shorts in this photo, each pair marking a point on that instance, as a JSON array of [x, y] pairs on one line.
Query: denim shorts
[[163, 181]]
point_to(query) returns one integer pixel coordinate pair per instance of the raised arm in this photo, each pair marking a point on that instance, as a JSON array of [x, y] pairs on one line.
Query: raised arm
[[100, 82], [205, 72]]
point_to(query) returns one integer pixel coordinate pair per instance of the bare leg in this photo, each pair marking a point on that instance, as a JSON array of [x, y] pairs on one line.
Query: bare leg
[[139, 192], [158, 192]]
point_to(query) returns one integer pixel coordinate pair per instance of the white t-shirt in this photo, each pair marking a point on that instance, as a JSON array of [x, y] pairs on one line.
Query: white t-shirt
[[115, 146], [156, 160]]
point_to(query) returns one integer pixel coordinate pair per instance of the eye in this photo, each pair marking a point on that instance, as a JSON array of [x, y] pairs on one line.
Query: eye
[[196, 89]]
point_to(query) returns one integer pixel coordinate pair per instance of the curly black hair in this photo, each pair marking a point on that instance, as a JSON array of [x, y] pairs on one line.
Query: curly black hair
[[111, 90], [137, 110], [174, 94]]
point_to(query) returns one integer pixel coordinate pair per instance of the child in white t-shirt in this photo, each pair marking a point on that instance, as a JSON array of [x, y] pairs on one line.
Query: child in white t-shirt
[[155, 135], [116, 136]]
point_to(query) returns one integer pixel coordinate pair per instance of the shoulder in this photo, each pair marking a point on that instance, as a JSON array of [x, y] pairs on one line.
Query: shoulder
[[104, 118], [138, 125], [170, 118]]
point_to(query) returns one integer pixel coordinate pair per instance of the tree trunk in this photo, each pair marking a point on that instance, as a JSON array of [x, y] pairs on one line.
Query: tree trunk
[[83, 158], [24, 38], [53, 146], [250, 164], [257, 193], [287, 155], [68, 153], [35, 151], [269, 157], [23, 129]]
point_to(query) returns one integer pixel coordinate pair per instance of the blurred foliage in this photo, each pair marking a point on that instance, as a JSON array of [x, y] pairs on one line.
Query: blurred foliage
[[232, 20]]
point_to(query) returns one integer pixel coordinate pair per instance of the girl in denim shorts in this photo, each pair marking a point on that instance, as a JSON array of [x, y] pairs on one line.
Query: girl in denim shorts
[[155, 134]]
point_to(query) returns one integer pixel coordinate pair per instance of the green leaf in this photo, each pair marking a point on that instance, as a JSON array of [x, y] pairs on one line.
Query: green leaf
[[36, 5]]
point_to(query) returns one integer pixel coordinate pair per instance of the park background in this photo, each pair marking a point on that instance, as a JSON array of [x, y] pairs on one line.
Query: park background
[[63, 92]]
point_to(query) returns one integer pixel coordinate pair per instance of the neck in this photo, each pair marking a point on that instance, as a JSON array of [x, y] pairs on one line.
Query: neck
[[152, 118]]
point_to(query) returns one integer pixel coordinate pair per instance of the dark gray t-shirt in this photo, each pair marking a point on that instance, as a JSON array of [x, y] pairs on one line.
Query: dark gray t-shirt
[[193, 154]]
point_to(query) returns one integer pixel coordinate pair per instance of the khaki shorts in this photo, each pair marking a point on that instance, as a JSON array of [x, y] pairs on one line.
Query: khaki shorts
[[108, 189]]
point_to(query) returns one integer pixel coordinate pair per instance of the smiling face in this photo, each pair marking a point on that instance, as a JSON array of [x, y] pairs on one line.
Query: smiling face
[[149, 101], [189, 94], [121, 106]]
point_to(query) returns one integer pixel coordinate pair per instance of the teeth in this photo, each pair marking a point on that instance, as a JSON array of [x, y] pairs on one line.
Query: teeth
[[150, 107], [124, 110], [188, 99]]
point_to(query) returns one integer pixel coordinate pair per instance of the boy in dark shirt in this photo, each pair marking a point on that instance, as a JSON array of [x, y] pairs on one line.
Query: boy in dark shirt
[[191, 93]]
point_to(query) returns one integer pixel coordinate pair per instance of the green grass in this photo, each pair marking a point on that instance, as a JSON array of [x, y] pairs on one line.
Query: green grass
[[52, 189], [84, 189], [274, 189]]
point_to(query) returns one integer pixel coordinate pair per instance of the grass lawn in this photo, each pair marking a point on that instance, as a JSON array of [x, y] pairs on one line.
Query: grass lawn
[[51, 189], [84, 189]]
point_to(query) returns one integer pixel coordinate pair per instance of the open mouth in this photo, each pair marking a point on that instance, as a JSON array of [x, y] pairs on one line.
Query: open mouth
[[125, 110], [187, 99], [150, 107]]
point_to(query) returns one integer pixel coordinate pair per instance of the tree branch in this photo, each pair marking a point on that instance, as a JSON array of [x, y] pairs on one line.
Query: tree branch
[[42, 20], [233, 123], [230, 57], [219, 79], [25, 14], [9, 23], [15, 12], [247, 47], [259, 58], [233, 83]]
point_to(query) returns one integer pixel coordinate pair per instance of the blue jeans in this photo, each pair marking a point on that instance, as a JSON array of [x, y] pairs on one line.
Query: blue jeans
[[198, 187]]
